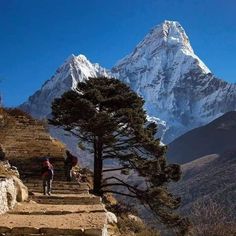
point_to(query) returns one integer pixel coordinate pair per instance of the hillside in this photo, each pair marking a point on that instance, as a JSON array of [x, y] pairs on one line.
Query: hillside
[[209, 178], [214, 138]]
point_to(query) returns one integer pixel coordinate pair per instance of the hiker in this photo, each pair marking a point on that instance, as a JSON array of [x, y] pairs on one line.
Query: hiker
[[70, 162], [47, 175]]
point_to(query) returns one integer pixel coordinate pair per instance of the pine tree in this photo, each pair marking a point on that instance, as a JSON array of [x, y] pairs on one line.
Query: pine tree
[[109, 117]]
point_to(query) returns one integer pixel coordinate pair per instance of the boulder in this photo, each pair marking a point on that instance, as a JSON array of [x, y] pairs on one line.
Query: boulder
[[7, 194], [111, 218], [135, 218], [21, 190]]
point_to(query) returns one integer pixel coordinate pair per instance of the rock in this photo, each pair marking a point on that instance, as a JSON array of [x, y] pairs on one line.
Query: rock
[[7, 170], [111, 218], [109, 199], [135, 218], [21, 190], [7, 194]]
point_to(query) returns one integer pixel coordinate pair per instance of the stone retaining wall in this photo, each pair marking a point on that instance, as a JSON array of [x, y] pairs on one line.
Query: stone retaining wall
[[7, 194], [26, 141], [24, 138]]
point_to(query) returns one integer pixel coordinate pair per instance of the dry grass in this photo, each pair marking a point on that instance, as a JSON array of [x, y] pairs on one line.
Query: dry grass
[[128, 223], [128, 226]]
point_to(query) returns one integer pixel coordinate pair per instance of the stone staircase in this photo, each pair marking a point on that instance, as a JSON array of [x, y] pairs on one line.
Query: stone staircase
[[70, 210]]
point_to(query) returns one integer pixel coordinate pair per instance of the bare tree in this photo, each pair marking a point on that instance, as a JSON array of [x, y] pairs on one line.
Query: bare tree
[[211, 218]]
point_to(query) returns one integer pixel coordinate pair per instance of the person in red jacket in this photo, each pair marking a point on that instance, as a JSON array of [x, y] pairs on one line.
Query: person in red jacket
[[47, 176], [70, 162]]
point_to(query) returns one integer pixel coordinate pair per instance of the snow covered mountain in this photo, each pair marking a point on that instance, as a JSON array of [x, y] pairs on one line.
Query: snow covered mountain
[[180, 91], [176, 85], [74, 69]]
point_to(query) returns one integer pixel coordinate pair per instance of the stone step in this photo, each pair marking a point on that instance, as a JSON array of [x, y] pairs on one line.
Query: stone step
[[81, 201], [36, 180], [59, 183], [59, 191], [39, 181], [30, 231], [67, 199], [55, 181], [60, 186], [84, 224], [32, 208]]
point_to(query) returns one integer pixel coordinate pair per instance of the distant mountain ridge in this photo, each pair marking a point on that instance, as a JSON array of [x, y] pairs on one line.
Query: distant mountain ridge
[[179, 90], [217, 137]]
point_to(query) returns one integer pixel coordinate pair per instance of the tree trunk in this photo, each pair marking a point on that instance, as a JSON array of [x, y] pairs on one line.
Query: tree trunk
[[98, 165]]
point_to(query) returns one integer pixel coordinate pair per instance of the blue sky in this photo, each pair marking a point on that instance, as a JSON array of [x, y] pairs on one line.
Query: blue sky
[[36, 36]]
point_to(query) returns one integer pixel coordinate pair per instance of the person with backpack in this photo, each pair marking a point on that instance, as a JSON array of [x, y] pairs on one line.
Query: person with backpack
[[70, 162], [47, 176]]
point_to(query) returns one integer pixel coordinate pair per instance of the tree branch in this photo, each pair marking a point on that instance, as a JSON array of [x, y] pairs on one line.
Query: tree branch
[[123, 194], [131, 188], [112, 184], [121, 168]]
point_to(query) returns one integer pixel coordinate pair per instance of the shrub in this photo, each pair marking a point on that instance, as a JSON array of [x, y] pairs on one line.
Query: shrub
[[119, 208], [128, 226]]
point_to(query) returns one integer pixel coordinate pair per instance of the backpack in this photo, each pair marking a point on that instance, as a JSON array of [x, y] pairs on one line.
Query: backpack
[[71, 160], [74, 161]]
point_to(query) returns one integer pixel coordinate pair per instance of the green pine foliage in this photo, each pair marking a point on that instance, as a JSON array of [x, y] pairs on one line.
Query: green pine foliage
[[108, 116]]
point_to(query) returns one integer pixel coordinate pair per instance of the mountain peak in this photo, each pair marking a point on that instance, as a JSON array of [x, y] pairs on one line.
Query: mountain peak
[[166, 44], [80, 57], [176, 85], [171, 24], [74, 69], [70, 58], [171, 34]]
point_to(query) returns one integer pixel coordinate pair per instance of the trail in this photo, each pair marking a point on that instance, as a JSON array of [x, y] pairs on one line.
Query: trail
[[70, 210]]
